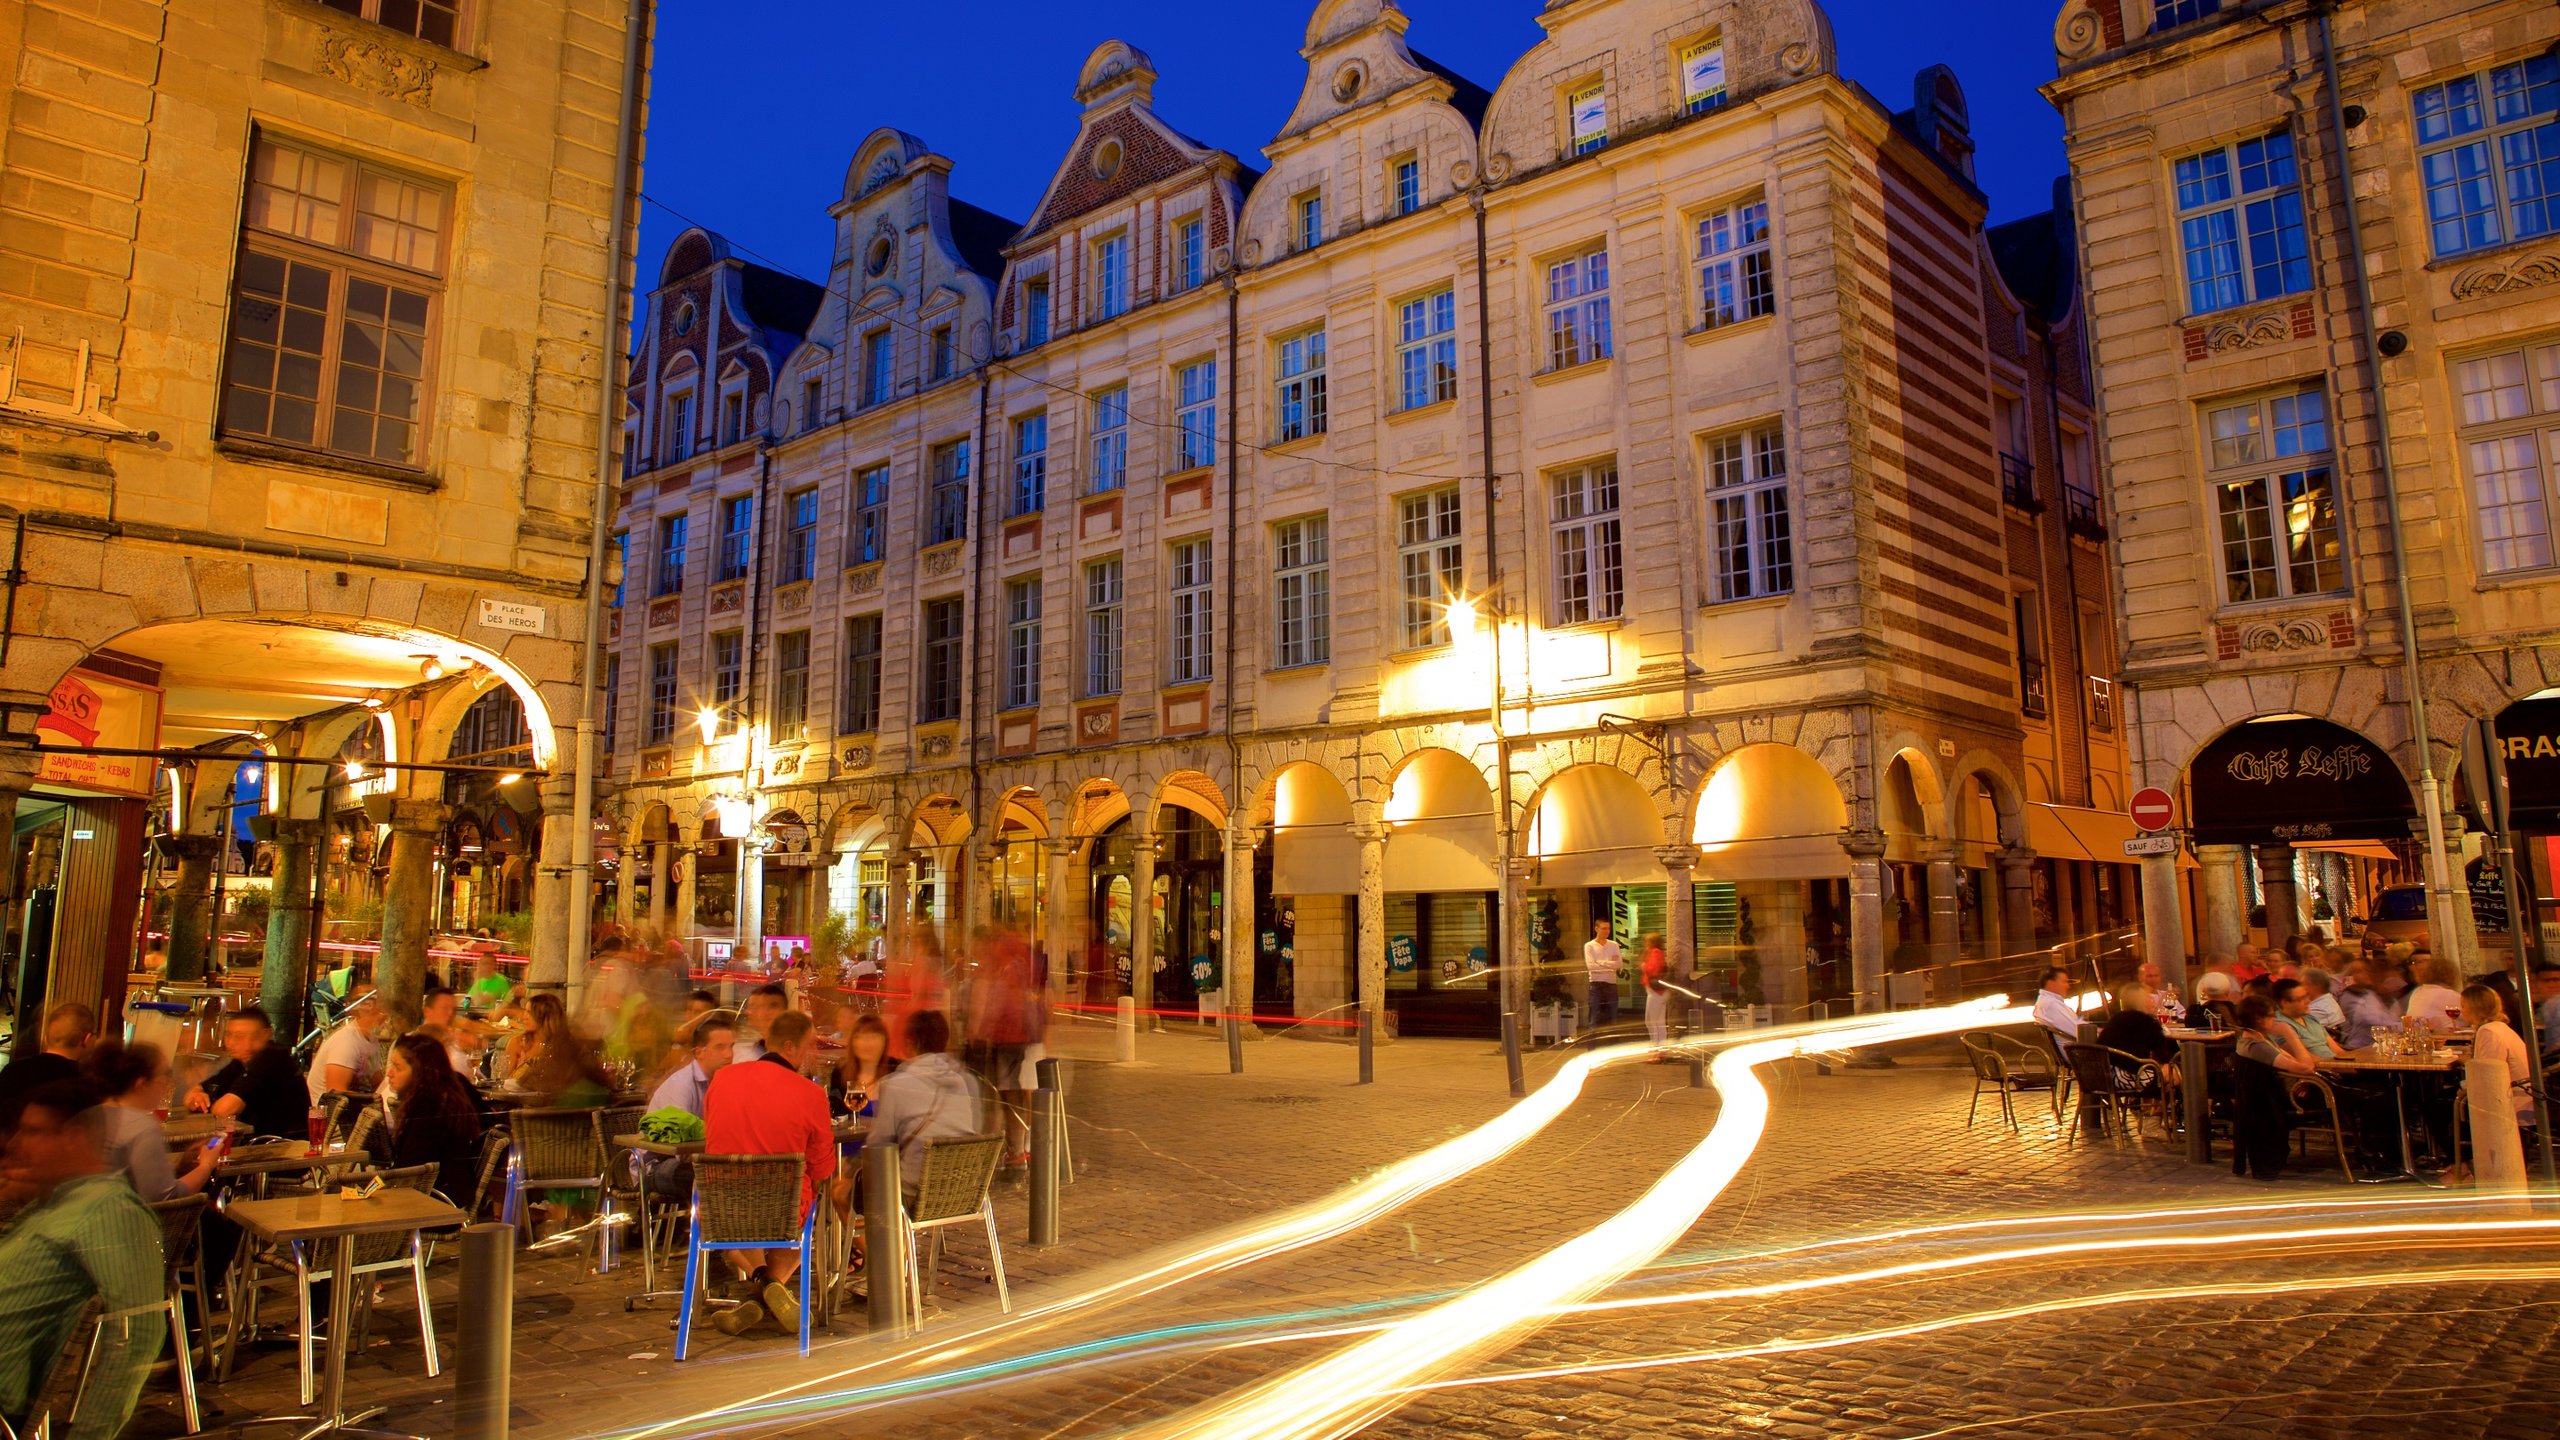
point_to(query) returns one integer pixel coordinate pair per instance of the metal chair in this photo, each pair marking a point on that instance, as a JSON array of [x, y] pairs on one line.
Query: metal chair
[[953, 1188], [2032, 1067], [374, 1254], [746, 1202], [58, 1392], [554, 1150], [2307, 1118], [610, 1121], [1992, 1073], [496, 1146], [182, 1253], [2105, 1090]]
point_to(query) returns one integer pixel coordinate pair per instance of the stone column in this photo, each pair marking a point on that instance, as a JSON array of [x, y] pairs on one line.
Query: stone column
[[1946, 935], [747, 919], [977, 892], [191, 904], [1866, 915], [1142, 926], [2017, 866], [1373, 919], [2225, 919], [2275, 883], [1241, 944], [1518, 963], [1680, 909], [553, 968], [662, 886], [408, 905], [2163, 930], [286, 978], [680, 914], [1062, 925]]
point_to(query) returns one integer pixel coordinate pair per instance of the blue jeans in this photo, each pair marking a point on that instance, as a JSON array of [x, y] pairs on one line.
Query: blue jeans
[[1602, 1008]]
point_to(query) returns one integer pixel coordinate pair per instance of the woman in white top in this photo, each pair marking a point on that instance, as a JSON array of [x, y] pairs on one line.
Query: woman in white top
[[2435, 1002], [2492, 1038]]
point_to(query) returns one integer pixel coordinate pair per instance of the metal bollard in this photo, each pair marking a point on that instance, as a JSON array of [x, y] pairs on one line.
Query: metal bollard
[[1697, 1067], [483, 1373], [1052, 1075], [1511, 1054], [1235, 1045], [1368, 1059], [1048, 1123], [1128, 1030], [883, 1228]]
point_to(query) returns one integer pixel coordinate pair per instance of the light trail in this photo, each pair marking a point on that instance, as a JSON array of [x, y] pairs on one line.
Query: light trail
[[1341, 1393]]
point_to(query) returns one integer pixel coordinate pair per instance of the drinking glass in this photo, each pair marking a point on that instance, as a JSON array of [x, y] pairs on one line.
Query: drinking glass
[[319, 1124]]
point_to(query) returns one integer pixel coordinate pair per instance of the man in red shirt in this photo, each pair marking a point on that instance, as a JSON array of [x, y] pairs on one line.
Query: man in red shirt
[[767, 1107]]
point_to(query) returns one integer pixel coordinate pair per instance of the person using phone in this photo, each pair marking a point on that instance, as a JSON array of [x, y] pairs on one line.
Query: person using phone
[[134, 1081]]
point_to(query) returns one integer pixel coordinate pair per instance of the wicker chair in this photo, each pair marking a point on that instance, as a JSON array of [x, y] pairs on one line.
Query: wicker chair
[[496, 1146], [554, 1150], [952, 1188], [2105, 1089], [2032, 1067], [182, 1253], [409, 1250], [2314, 1101], [746, 1202], [619, 1178]]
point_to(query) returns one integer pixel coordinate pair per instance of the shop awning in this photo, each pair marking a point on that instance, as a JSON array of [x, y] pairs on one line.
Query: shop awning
[[1445, 853], [2291, 782], [2075, 832]]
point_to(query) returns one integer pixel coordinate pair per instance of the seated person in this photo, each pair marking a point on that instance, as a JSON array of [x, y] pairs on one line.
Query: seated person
[[86, 1234], [2492, 1038], [2261, 1115], [2307, 1036], [260, 1086], [132, 1082], [70, 1028], [435, 1120], [2215, 1007], [2545, 981], [2136, 1031], [2435, 1002], [440, 1015], [764, 1003], [2164, 996], [2364, 1005], [349, 1059], [930, 1096], [2055, 1012], [2321, 985], [688, 1088], [766, 1106]]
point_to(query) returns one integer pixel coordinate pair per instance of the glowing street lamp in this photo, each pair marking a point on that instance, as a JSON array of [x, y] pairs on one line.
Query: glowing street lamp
[[709, 720]]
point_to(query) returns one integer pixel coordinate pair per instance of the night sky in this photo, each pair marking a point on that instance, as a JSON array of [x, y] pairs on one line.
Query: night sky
[[757, 105]]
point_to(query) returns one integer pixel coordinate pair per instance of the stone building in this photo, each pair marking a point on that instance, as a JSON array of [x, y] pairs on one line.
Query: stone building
[[303, 380], [1338, 583], [2316, 255]]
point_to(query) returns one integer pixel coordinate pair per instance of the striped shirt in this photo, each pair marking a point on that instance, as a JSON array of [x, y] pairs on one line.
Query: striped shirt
[[91, 1237]]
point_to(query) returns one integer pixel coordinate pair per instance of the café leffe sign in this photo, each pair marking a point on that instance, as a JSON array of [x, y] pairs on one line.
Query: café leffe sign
[[2283, 781], [97, 712]]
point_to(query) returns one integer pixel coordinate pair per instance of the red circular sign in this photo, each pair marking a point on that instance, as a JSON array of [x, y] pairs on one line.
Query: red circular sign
[[2152, 808]]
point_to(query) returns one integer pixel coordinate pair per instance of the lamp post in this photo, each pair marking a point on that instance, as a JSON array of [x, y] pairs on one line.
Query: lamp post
[[1462, 614]]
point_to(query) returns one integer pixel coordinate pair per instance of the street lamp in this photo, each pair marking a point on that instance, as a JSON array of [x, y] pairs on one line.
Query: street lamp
[[709, 719], [1462, 613]]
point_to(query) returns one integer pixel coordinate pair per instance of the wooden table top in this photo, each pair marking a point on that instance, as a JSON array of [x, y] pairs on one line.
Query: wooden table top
[[2349, 1065], [278, 1156], [307, 1217], [184, 1130], [2175, 1033]]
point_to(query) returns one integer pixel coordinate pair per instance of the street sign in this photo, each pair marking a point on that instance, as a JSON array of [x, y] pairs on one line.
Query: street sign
[[2141, 845], [516, 616], [2152, 809]]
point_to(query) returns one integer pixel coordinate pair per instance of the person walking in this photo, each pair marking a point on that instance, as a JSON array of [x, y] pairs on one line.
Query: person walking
[[1657, 996], [1601, 957]]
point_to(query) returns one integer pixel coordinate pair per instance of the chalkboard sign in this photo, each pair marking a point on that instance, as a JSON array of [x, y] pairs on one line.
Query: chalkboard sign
[[2489, 900]]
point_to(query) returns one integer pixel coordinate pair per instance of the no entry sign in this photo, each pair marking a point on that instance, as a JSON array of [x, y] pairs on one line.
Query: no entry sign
[[2152, 808]]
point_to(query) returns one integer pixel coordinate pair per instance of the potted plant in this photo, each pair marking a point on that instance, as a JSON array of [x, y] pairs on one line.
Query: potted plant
[[1551, 1010]]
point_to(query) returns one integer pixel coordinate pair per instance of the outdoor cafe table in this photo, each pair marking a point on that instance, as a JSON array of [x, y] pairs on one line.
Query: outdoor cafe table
[[2399, 1071], [2194, 1055], [186, 1130], [341, 1218]]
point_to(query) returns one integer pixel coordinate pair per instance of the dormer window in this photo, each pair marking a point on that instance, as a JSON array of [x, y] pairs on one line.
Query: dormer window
[[733, 415], [1310, 212], [1190, 252], [1035, 313], [438, 22], [1702, 76], [1111, 276], [812, 398], [1587, 117], [679, 437], [1406, 180]]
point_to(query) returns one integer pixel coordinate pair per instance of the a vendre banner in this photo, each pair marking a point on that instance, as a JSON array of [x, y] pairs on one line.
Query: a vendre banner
[[99, 712]]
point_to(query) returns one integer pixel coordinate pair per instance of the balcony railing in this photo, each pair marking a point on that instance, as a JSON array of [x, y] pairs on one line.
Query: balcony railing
[[2018, 481], [2031, 696], [2081, 512], [2102, 703]]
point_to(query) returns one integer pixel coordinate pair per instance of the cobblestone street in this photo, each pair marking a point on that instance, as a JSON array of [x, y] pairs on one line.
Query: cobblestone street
[[1174, 1148]]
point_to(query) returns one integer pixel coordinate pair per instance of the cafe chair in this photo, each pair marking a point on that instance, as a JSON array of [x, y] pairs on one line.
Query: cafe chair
[[554, 1150], [1993, 1073], [2032, 1067], [2316, 1108], [497, 1146], [953, 1188], [618, 1174], [56, 1392], [374, 1255], [181, 1253], [746, 1202], [2112, 1087]]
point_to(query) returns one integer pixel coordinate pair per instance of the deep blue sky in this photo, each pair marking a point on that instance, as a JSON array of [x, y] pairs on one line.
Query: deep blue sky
[[756, 105]]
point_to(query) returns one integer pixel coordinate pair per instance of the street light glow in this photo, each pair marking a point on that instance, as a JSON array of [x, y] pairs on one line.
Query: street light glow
[[1462, 615], [709, 720]]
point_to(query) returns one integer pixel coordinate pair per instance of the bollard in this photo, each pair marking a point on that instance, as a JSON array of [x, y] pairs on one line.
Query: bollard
[[1511, 1053], [1052, 1075], [1235, 1045], [483, 1372], [1368, 1030], [1048, 1123], [1128, 1031], [883, 1229], [1697, 1067]]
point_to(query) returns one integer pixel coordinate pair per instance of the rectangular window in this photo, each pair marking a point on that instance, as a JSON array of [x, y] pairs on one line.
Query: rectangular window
[[879, 351], [1431, 564], [1310, 212], [1110, 276], [1110, 439], [813, 402], [1702, 76], [1734, 281], [1408, 185], [861, 676], [1578, 310], [1030, 464], [333, 308], [938, 685], [662, 693], [1196, 391], [790, 682], [2029, 618], [1427, 350], [1102, 627], [1302, 593], [942, 352], [1190, 253], [436, 21], [1035, 314], [728, 668], [612, 700], [868, 536], [1298, 401], [2490, 162], [2275, 496], [2509, 434], [733, 417], [670, 578], [800, 537], [1021, 643], [679, 437], [1587, 117], [1589, 582], [1753, 545], [2169, 14], [2240, 224], [1193, 625], [950, 498], [737, 533], [621, 564]]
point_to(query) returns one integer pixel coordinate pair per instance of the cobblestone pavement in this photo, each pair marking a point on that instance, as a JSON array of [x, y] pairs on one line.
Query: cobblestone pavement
[[1176, 1147]]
